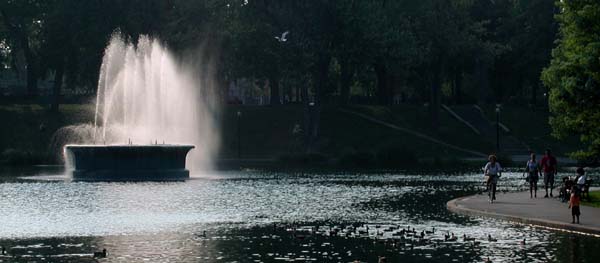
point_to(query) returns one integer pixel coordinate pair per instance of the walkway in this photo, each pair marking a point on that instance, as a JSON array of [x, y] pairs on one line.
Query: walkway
[[548, 212]]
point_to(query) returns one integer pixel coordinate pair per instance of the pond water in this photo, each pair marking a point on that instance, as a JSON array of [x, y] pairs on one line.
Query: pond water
[[253, 216]]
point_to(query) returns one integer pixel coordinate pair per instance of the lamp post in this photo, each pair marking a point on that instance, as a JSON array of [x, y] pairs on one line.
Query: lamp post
[[239, 136], [498, 128]]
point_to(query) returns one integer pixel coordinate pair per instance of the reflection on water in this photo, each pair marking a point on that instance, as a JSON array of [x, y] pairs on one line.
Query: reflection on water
[[267, 217]]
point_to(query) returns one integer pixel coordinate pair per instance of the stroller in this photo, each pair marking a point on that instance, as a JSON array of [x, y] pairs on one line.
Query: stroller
[[565, 189]]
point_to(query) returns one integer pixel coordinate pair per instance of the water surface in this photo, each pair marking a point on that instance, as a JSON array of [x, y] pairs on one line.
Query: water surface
[[254, 216]]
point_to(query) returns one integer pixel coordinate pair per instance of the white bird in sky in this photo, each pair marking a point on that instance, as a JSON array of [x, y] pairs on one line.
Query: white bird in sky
[[283, 37]]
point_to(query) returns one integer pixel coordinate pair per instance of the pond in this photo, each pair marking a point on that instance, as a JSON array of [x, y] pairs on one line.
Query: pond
[[254, 216]]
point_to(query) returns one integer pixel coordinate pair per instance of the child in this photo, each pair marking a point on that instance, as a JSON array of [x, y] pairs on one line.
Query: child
[[574, 204]]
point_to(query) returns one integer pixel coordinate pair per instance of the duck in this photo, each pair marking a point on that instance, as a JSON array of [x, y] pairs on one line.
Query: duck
[[3, 250], [488, 260], [101, 254], [466, 238], [430, 232], [452, 237], [523, 242], [491, 239]]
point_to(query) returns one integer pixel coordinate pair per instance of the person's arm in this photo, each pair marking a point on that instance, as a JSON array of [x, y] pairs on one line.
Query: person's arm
[[499, 169]]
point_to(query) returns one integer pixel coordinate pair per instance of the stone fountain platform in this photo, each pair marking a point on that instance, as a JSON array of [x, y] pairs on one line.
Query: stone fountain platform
[[154, 162]]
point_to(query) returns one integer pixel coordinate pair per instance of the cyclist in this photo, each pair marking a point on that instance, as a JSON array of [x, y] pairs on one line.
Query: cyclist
[[492, 171]]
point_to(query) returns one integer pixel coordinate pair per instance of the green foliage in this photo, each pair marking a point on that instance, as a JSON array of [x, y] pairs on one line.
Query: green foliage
[[334, 48], [595, 199], [573, 77]]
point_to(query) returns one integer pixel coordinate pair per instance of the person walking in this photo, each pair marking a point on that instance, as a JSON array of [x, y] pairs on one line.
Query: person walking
[[581, 178], [492, 171], [533, 171], [548, 164]]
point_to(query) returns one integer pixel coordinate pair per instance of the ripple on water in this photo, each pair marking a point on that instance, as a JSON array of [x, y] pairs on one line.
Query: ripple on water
[[158, 221]]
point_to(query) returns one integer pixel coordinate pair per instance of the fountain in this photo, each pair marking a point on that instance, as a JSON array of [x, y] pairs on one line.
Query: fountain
[[151, 109]]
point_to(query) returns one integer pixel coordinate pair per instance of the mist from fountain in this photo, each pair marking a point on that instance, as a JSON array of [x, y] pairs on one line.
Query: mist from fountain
[[147, 95]]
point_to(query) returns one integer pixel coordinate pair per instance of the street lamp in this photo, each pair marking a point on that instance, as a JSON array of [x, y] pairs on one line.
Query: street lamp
[[498, 127], [239, 135]]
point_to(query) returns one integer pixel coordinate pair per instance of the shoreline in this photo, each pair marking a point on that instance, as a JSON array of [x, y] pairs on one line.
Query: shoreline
[[543, 213]]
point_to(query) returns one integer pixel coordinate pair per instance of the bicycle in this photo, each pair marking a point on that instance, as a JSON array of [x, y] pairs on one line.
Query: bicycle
[[491, 185]]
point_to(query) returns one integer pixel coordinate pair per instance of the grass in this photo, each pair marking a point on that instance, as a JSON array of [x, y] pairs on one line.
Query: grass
[[417, 118], [595, 196], [267, 132]]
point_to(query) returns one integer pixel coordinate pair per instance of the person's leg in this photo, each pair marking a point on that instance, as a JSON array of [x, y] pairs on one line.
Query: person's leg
[[546, 184], [530, 189], [551, 179], [493, 191], [535, 188], [573, 219]]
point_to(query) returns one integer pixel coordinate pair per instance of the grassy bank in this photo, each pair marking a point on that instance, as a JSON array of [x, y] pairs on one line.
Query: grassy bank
[[268, 133], [595, 196]]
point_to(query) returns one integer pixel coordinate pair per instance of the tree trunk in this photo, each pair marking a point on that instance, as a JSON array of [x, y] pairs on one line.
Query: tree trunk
[[345, 81], [534, 89], [298, 96], [314, 111], [457, 87], [31, 74], [23, 42], [274, 87], [434, 103], [382, 80], [56, 89], [307, 117], [482, 81]]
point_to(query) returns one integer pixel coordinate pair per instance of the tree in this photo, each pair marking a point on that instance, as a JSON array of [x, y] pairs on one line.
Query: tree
[[573, 77], [24, 19]]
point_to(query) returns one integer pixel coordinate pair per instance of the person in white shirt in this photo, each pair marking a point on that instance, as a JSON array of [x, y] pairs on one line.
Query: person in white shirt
[[581, 178], [493, 171]]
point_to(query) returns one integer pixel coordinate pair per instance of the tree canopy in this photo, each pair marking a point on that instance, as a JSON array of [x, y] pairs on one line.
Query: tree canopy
[[573, 76]]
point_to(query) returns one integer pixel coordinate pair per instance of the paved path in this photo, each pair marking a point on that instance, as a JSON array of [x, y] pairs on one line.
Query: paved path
[[548, 212]]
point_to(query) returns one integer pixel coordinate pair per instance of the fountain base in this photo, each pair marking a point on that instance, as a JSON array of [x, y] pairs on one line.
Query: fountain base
[[127, 162]]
